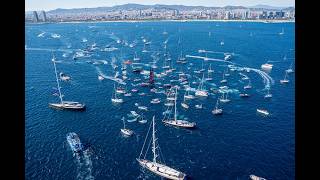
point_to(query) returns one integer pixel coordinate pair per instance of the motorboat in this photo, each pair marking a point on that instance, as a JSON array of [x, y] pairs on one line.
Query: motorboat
[[266, 66], [263, 111], [155, 101], [254, 177], [74, 142]]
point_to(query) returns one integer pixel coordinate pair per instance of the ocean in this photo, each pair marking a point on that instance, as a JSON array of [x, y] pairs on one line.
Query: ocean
[[231, 146]]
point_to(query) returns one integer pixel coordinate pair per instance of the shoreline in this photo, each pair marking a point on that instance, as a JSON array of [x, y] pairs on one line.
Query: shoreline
[[168, 20]]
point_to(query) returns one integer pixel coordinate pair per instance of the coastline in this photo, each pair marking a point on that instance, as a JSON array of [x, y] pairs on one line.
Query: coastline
[[168, 20]]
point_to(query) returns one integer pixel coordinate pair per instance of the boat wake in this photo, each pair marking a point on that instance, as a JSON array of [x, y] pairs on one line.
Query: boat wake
[[84, 165]]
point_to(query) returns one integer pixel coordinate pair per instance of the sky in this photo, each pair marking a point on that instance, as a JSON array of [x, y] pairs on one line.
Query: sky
[[46, 5]]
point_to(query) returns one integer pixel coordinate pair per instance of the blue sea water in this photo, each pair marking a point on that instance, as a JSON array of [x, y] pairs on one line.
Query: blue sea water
[[231, 146]]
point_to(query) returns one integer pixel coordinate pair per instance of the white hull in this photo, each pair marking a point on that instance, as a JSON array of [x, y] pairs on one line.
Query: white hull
[[201, 93], [117, 100], [265, 112], [184, 105], [162, 170], [68, 106], [284, 81], [217, 111], [127, 132], [189, 97], [180, 123]]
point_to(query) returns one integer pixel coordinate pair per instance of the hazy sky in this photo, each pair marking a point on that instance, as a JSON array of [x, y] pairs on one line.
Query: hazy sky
[[54, 4]]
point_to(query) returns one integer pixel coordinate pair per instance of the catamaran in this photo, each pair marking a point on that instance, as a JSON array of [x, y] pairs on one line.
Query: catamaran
[[124, 131], [200, 91], [69, 105], [285, 80], [155, 166], [216, 110], [175, 121]]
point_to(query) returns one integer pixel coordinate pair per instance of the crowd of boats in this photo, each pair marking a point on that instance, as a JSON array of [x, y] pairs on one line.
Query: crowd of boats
[[168, 81]]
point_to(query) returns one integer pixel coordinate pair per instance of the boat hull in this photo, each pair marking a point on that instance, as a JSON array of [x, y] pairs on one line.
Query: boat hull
[[64, 107], [180, 123], [162, 170]]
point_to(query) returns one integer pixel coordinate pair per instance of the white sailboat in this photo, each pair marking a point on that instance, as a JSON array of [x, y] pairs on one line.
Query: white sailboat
[[290, 70], [248, 86], [285, 80], [224, 99], [136, 58], [282, 32], [268, 95], [155, 166], [175, 121], [254, 177], [216, 110], [210, 70], [263, 111], [124, 131], [200, 91], [114, 98], [188, 95], [184, 104], [223, 79], [68, 105], [209, 78]]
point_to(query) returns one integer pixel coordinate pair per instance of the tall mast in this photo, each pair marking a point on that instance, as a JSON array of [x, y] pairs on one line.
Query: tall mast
[[175, 105], [124, 124], [55, 70], [154, 141]]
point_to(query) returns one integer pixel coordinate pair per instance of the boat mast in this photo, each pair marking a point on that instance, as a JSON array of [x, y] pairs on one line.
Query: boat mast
[[55, 70], [154, 141], [124, 124], [175, 106]]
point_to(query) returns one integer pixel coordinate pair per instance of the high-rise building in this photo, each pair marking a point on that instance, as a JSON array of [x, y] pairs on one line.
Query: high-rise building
[[44, 17], [35, 16]]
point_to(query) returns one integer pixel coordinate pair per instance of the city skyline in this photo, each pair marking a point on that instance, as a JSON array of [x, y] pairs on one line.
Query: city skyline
[[47, 5]]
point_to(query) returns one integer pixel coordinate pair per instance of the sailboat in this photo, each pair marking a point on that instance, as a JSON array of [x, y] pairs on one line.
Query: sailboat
[[268, 95], [202, 68], [206, 58], [125, 131], [135, 57], [209, 78], [175, 121], [248, 86], [210, 70], [200, 91], [181, 59], [282, 32], [216, 110], [285, 80], [188, 95], [223, 79], [69, 105], [290, 70], [184, 104], [114, 98], [155, 166], [144, 48], [224, 99]]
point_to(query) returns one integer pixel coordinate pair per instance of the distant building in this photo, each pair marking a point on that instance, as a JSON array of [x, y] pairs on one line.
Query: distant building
[[44, 16], [279, 14], [35, 16]]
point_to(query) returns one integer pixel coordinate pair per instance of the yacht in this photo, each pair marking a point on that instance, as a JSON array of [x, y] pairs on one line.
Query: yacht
[[224, 99], [114, 98], [155, 166], [68, 105], [175, 121]]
